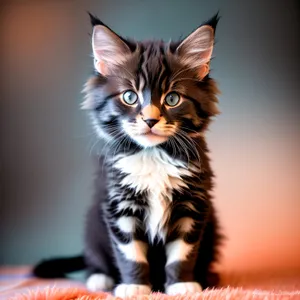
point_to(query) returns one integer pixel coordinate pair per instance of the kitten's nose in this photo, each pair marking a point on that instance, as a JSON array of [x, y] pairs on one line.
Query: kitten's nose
[[151, 122]]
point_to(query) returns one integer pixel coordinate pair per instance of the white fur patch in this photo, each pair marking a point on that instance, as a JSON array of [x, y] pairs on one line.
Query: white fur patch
[[128, 290], [178, 250], [126, 224], [153, 171], [182, 288], [99, 282], [135, 251]]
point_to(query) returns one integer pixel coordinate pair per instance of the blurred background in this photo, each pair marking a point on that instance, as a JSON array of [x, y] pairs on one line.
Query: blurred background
[[46, 142]]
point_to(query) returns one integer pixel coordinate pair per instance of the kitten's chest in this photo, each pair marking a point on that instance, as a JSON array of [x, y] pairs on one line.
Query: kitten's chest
[[156, 175]]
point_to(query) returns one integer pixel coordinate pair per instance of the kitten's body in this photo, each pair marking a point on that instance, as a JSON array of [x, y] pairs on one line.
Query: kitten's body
[[99, 255], [152, 225]]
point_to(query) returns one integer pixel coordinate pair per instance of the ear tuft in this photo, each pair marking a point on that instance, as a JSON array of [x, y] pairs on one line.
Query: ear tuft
[[213, 22], [94, 20]]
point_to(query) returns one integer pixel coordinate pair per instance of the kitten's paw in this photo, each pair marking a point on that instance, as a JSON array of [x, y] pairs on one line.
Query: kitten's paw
[[128, 290], [99, 282], [181, 288]]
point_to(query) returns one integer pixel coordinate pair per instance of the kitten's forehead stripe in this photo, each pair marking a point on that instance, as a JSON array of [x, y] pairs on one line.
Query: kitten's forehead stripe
[[144, 70], [163, 75], [152, 63], [140, 74], [153, 73]]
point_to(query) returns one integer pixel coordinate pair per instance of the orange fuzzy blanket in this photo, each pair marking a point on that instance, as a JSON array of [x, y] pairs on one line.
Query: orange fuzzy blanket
[[17, 284], [226, 293]]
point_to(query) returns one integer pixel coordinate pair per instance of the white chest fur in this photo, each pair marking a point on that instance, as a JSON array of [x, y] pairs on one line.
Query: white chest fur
[[154, 172]]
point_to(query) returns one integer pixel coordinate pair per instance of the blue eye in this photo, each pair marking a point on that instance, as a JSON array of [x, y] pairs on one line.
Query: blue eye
[[172, 99], [130, 97]]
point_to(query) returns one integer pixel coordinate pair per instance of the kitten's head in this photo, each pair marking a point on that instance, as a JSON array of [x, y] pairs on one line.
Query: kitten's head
[[150, 93]]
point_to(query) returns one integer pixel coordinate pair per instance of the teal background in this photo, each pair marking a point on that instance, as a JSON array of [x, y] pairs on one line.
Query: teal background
[[46, 166]]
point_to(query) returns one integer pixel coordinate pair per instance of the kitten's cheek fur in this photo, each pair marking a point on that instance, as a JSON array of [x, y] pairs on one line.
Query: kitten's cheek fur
[[182, 288], [129, 290]]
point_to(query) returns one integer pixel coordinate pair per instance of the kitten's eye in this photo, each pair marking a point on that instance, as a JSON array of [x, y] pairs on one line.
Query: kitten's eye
[[172, 99], [130, 97]]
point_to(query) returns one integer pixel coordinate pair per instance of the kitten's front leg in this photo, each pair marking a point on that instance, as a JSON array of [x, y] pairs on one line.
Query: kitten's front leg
[[130, 249], [182, 250]]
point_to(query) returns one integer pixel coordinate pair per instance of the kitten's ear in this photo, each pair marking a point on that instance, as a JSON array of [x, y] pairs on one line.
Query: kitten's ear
[[196, 49], [108, 48]]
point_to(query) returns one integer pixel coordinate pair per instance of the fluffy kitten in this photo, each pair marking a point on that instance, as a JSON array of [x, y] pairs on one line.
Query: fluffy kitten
[[152, 225]]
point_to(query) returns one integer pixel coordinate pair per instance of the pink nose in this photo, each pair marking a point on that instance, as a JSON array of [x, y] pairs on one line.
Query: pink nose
[[151, 122]]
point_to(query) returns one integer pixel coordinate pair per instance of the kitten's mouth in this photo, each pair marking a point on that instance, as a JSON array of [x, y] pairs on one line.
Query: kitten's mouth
[[150, 139], [150, 133], [153, 132]]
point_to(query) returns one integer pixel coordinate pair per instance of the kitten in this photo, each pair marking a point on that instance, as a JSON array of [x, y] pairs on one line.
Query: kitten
[[152, 225]]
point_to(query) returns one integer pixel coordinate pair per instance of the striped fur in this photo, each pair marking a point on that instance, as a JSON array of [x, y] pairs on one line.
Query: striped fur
[[153, 223]]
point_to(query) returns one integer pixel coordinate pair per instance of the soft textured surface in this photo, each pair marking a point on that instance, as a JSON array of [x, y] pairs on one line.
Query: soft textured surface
[[227, 293], [18, 284]]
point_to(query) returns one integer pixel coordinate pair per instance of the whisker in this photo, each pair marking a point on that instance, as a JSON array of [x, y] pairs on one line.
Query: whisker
[[189, 129], [192, 144], [182, 144]]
